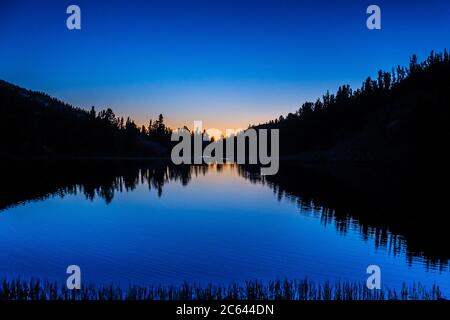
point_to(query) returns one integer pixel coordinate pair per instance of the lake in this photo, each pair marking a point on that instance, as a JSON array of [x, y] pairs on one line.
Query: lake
[[154, 223]]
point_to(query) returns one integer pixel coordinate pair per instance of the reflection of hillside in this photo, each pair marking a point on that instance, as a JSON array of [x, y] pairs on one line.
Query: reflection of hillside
[[27, 181], [399, 208]]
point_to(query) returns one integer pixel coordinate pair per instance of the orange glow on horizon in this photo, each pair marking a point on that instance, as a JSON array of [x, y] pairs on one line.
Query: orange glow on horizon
[[223, 124]]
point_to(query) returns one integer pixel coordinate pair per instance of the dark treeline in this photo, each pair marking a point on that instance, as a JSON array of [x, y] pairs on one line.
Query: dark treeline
[[35, 124], [402, 113]]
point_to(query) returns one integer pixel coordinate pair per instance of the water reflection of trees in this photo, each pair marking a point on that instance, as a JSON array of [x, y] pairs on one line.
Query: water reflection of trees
[[399, 208], [22, 182]]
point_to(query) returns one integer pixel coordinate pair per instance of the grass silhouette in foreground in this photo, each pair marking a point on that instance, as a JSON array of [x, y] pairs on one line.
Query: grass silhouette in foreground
[[250, 290]]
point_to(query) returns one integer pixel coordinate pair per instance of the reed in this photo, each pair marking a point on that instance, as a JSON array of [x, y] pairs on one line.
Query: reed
[[250, 290]]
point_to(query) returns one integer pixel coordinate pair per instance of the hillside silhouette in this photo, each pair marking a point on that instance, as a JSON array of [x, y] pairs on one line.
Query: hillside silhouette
[[400, 116], [35, 124]]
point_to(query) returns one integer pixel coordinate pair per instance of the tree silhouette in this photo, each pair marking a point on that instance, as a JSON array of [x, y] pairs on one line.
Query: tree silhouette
[[37, 124], [404, 113]]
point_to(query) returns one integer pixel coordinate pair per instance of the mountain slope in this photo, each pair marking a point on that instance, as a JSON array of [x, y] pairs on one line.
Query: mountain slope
[[35, 124], [400, 116]]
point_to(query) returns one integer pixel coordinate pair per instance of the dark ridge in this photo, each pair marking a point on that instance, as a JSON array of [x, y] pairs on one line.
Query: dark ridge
[[403, 115], [35, 124]]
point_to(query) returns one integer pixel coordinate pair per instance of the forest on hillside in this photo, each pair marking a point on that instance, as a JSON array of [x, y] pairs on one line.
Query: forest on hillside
[[403, 113], [35, 124]]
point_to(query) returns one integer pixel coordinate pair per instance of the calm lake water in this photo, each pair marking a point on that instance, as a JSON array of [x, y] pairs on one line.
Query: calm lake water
[[161, 225]]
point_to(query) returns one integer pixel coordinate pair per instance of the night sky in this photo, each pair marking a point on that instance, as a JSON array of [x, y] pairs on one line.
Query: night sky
[[228, 63]]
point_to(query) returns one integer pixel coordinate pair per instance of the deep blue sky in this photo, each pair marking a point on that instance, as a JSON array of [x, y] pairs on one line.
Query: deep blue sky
[[228, 63]]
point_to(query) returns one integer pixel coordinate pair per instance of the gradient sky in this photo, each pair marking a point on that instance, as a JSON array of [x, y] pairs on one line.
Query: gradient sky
[[228, 63]]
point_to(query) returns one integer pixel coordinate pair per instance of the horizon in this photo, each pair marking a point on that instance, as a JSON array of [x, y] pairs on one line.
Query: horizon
[[257, 61]]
